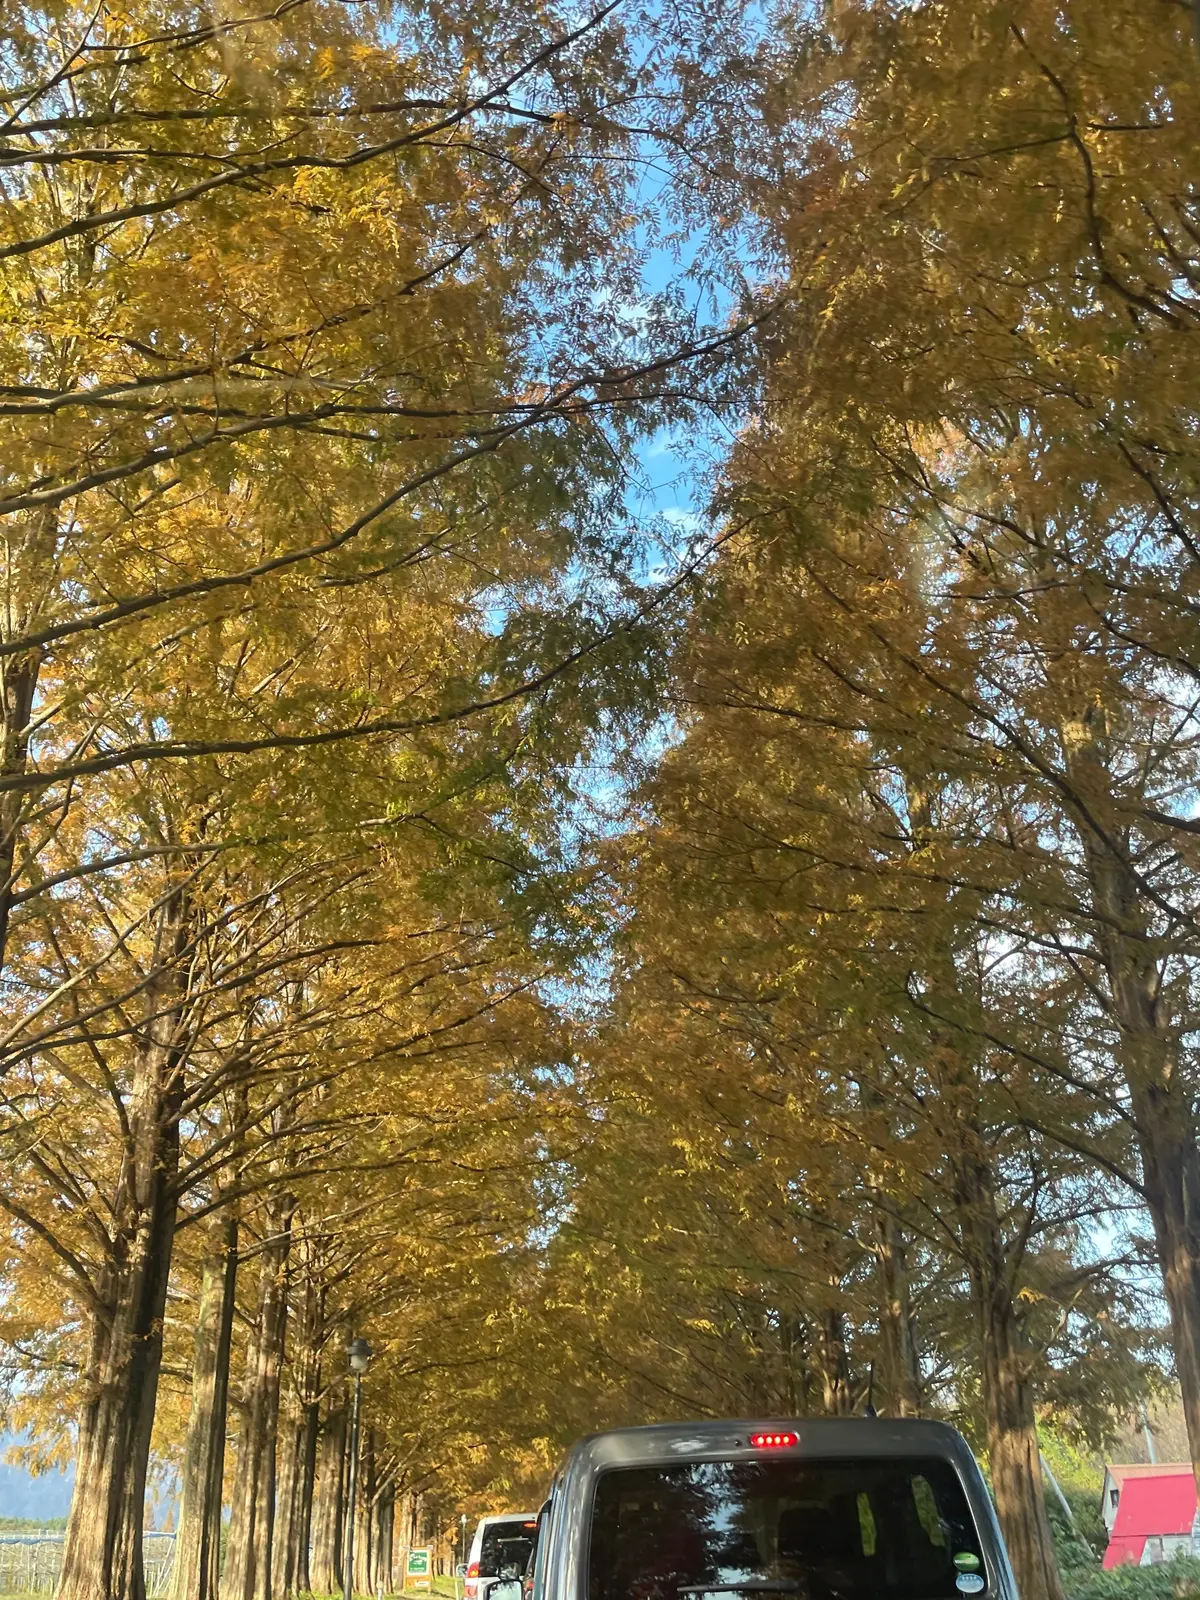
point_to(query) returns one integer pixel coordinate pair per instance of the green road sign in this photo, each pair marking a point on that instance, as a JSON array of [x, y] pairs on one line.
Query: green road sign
[[418, 1569]]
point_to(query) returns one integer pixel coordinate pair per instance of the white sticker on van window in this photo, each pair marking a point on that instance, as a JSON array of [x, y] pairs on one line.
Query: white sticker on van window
[[969, 1583]]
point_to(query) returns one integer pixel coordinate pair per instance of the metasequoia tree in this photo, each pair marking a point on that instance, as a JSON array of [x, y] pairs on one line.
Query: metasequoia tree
[[194, 1572], [983, 402], [330, 1077], [410, 1237], [205, 1041], [315, 379], [821, 973], [948, 559]]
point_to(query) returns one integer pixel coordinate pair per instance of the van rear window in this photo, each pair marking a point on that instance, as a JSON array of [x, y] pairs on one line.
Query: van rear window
[[505, 1549], [872, 1529]]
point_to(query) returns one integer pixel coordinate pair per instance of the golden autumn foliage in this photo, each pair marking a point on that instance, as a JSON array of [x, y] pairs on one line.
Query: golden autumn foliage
[[832, 1047]]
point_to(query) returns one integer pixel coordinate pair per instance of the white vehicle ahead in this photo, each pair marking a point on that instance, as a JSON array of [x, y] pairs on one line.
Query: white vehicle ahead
[[499, 1551]]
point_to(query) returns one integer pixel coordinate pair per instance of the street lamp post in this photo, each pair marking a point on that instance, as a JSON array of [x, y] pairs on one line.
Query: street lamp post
[[358, 1353]]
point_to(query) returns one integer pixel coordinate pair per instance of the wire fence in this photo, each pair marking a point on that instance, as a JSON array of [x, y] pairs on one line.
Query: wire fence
[[30, 1562]]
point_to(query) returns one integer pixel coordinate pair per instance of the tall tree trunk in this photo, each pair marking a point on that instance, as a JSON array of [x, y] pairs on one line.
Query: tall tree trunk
[[1171, 1177], [18, 685], [1013, 1454], [102, 1553], [901, 1360], [304, 1509], [364, 1524], [210, 1572], [247, 1574], [287, 1499], [385, 1524], [1163, 1110], [831, 1355], [295, 1498], [197, 1542], [833, 1363], [327, 1519], [792, 1350], [30, 580], [1014, 1458]]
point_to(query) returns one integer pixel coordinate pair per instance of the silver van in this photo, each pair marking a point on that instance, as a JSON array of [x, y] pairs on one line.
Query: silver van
[[822, 1509]]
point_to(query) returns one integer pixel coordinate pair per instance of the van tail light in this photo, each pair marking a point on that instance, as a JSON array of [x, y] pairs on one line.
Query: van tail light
[[773, 1441], [472, 1584]]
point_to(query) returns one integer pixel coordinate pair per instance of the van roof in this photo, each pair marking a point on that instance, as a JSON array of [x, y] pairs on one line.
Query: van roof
[[815, 1436]]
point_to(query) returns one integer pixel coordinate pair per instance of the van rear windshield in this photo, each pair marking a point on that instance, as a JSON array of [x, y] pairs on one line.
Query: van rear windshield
[[505, 1549], [875, 1529]]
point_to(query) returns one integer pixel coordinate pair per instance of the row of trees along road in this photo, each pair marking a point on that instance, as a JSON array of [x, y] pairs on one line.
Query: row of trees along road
[[905, 1020], [325, 346], [317, 385]]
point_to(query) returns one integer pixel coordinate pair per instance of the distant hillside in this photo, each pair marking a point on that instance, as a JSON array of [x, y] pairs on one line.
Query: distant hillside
[[23, 1495]]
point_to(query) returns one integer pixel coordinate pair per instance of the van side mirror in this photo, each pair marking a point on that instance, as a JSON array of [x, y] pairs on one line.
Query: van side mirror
[[507, 1589]]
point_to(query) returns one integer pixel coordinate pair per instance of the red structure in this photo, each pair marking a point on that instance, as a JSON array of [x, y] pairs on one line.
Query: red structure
[[1156, 1517]]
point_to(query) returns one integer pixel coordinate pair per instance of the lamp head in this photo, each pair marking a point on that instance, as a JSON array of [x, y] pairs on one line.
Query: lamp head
[[359, 1353]]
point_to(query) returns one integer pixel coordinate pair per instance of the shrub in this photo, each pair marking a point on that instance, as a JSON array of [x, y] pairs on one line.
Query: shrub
[[1169, 1580]]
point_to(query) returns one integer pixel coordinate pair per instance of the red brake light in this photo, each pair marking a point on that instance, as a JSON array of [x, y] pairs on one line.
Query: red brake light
[[532, 1524], [773, 1441]]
